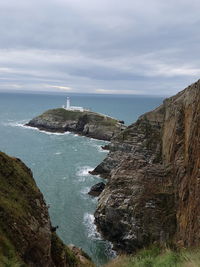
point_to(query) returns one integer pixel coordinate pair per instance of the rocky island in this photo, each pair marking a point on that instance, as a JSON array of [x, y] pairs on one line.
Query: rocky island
[[153, 172], [87, 123], [27, 237]]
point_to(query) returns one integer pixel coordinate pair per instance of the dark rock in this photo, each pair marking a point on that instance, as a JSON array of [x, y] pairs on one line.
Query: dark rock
[[154, 170], [105, 147], [96, 189], [54, 228]]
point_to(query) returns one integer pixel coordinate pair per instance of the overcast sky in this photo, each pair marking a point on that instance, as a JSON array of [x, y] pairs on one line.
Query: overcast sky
[[99, 46]]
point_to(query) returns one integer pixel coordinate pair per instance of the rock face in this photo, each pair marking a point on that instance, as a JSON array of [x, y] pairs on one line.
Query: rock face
[[25, 227], [153, 171], [96, 189], [85, 123]]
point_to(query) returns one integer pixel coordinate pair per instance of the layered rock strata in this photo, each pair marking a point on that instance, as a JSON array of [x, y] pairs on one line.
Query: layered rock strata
[[26, 236], [153, 171], [85, 123]]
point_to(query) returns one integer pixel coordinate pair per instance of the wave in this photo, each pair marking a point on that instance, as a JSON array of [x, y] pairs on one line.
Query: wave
[[15, 123], [85, 190], [22, 125], [98, 144], [110, 251], [99, 148], [51, 133], [93, 234], [88, 221], [57, 153], [84, 171]]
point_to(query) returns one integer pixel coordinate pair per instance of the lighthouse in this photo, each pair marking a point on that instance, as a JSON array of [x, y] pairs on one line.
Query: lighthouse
[[73, 108], [68, 103]]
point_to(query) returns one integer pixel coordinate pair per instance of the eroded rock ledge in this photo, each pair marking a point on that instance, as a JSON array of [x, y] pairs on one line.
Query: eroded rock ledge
[[26, 237], [85, 123], [153, 171]]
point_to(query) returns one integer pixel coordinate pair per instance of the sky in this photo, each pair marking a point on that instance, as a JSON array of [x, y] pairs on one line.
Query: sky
[[99, 46]]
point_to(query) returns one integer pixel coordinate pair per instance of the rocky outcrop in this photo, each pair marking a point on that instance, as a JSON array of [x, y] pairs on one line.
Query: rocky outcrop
[[96, 189], [25, 227], [85, 123], [153, 171]]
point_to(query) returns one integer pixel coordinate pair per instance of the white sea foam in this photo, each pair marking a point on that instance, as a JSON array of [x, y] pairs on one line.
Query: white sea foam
[[88, 221], [84, 171], [85, 190], [52, 133], [109, 250], [12, 123], [98, 145], [57, 153], [100, 149], [22, 124], [92, 233]]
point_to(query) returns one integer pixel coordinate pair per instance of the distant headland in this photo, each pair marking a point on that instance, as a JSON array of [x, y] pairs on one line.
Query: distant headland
[[78, 120]]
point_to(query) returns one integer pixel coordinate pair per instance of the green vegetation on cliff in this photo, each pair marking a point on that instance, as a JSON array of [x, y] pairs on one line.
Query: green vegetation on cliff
[[16, 188], [156, 257], [26, 237]]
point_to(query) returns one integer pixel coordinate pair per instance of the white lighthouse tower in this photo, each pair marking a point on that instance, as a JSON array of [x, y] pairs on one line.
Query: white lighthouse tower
[[68, 103], [73, 108]]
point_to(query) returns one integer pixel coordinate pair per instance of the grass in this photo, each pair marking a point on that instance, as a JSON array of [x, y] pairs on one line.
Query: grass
[[60, 251], [64, 114], [156, 257], [17, 191], [8, 255], [61, 114]]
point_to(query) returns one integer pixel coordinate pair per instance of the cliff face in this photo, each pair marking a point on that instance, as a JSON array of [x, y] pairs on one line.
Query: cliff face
[[26, 235], [181, 149], [85, 123], [153, 172]]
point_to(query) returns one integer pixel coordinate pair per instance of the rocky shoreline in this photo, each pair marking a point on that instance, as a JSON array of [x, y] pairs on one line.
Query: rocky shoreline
[[152, 193], [152, 190], [84, 123]]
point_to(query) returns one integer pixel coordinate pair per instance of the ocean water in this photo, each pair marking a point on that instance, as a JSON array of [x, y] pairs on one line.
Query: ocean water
[[60, 162]]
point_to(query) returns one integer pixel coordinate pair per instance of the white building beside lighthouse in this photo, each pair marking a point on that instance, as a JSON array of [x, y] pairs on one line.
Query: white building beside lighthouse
[[73, 108], [68, 103]]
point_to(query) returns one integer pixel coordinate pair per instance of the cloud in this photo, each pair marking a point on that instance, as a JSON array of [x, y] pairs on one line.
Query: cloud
[[65, 88], [126, 47], [130, 92]]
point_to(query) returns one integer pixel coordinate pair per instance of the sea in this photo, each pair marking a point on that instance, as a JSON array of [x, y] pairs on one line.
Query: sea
[[60, 162]]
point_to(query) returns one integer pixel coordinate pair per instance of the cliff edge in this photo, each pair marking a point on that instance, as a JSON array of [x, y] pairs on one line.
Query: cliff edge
[[153, 172], [27, 237], [85, 123]]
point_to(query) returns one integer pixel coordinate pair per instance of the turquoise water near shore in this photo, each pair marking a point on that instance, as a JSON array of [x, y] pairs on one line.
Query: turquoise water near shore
[[60, 162]]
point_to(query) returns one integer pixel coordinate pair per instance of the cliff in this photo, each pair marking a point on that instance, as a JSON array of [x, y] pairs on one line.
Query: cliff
[[153, 171], [85, 123], [26, 235]]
